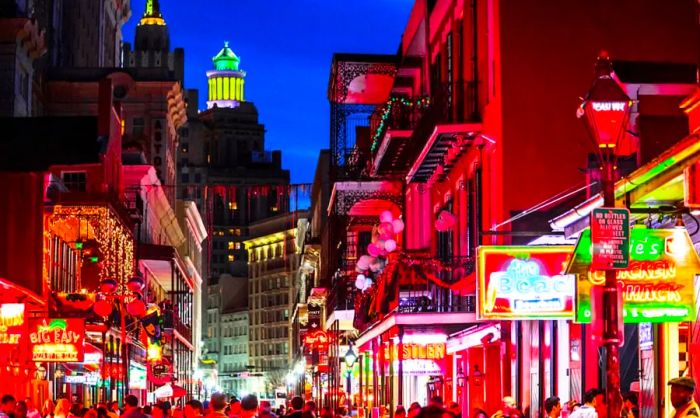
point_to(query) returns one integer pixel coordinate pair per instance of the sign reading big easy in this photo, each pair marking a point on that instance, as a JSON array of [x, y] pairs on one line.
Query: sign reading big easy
[[57, 340], [522, 282], [657, 286]]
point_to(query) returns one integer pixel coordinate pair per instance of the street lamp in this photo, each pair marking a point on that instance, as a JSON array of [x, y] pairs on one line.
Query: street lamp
[[605, 111], [350, 358]]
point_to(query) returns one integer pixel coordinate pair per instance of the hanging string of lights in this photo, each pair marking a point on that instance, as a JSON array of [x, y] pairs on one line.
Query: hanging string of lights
[[421, 103]]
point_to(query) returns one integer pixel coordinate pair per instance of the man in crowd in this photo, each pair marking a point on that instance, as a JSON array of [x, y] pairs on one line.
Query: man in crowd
[[249, 406], [131, 407], [234, 408], [552, 407], [682, 389], [7, 407], [32, 412], [194, 409], [590, 402], [629, 406], [297, 406], [217, 404]]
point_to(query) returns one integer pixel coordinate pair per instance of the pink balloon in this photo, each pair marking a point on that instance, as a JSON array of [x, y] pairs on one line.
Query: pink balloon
[[385, 230], [398, 225], [386, 216], [440, 225], [373, 250], [390, 245], [380, 245], [363, 262]]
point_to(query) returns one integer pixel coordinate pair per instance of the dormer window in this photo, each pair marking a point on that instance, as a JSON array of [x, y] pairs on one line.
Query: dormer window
[[75, 181]]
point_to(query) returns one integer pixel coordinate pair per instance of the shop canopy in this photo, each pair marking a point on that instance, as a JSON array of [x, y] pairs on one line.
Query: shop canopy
[[170, 391]]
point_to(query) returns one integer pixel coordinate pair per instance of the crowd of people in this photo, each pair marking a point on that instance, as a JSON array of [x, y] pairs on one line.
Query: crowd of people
[[221, 406]]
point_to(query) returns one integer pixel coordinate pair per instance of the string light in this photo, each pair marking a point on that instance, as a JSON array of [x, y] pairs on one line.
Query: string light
[[421, 103]]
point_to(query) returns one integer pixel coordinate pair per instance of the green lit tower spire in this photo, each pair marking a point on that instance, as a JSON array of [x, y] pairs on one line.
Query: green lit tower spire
[[226, 81], [152, 16]]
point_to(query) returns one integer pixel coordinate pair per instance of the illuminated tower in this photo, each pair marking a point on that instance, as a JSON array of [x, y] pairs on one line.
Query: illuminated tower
[[226, 81], [152, 32]]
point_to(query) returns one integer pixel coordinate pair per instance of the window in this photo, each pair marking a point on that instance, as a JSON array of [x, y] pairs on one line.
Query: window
[[75, 181], [238, 245], [231, 258], [184, 147], [233, 205], [185, 177], [197, 178], [231, 244]]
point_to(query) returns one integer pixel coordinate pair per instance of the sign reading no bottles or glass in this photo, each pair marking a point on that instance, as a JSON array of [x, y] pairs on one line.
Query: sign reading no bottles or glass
[[610, 238]]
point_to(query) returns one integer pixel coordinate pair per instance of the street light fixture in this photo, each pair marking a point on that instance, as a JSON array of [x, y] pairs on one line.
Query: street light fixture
[[350, 358], [605, 111]]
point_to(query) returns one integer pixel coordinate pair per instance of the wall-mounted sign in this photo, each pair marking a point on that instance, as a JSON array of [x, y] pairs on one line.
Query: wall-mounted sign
[[12, 325], [610, 236], [658, 284], [57, 340], [137, 377], [430, 351], [87, 379], [521, 282], [420, 367]]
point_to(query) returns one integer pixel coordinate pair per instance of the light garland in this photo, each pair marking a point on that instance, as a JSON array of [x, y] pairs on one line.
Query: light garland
[[113, 237], [422, 102]]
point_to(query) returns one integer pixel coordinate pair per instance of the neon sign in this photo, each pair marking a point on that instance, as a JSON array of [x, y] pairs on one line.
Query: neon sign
[[608, 106], [525, 282], [11, 323], [658, 284], [57, 340], [431, 351]]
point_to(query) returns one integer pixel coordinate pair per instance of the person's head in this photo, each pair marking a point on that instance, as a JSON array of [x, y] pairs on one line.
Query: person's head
[[217, 402], [20, 409], [414, 410], [234, 407], [591, 397], [552, 406], [147, 410], [265, 407], [90, 413], [62, 407], [682, 389], [629, 400], [400, 412], [29, 403], [454, 409], [74, 398], [297, 403], [131, 401], [432, 411], [249, 406], [509, 402], [326, 412], [114, 406], [157, 411], [102, 411], [76, 409], [437, 401], [193, 408], [8, 404], [310, 406]]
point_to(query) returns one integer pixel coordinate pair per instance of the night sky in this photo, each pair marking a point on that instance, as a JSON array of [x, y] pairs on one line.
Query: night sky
[[285, 48]]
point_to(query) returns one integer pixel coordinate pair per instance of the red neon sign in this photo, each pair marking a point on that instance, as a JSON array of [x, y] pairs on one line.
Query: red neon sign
[[57, 340], [316, 339]]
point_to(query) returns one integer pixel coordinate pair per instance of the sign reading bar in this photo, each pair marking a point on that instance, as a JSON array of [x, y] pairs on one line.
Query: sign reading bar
[[525, 282], [657, 286], [610, 235], [57, 340]]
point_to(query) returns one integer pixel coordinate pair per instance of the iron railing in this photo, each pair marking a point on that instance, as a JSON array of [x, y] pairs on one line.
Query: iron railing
[[397, 113]]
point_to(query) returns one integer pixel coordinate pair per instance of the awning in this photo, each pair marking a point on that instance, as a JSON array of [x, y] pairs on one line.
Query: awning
[[170, 391], [11, 292]]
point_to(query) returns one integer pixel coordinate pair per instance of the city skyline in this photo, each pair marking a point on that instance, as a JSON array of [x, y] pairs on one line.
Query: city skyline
[[320, 29]]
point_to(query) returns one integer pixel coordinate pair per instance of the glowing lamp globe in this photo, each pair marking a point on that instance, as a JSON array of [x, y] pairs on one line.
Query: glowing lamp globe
[[135, 284], [606, 107], [102, 308], [350, 357], [136, 308], [108, 286]]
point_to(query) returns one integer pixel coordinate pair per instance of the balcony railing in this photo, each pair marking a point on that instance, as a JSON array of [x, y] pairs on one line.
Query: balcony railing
[[449, 103], [398, 113], [173, 321], [422, 285]]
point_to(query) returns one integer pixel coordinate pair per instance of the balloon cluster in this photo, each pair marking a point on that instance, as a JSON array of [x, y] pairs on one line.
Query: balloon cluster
[[383, 243], [445, 221]]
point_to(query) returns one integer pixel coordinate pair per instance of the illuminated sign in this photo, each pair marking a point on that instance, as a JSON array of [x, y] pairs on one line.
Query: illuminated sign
[[608, 106], [11, 323], [137, 377], [431, 351], [521, 282], [57, 340], [658, 284], [317, 339], [420, 368]]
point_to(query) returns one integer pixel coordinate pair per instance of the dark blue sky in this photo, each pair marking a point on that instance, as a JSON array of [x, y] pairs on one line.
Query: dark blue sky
[[286, 48]]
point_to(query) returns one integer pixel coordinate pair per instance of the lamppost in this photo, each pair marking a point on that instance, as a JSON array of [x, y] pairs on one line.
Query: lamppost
[[350, 358], [605, 111], [130, 300]]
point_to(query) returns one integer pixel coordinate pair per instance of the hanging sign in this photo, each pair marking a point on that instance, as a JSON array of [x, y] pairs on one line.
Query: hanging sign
[[525, 282], [610, 236], [57, 340], [657, 286], [12, 323]]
